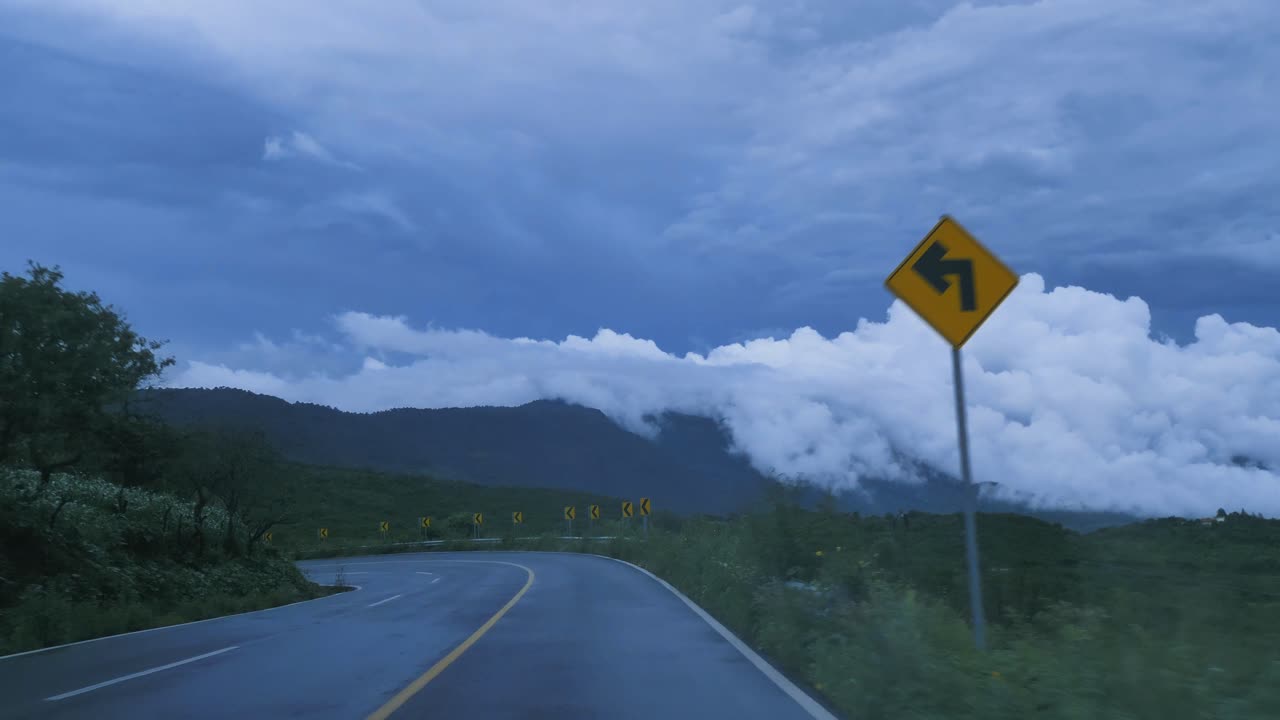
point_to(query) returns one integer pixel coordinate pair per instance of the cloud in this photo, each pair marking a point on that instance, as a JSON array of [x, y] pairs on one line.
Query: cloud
[[283, 357], [757, 161], [378, 205], [300, 144], [1071, 402], [816, 106], [691, 169]]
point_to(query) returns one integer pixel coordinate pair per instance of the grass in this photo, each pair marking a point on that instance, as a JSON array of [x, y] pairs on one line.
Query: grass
[[47, 619], [352, 503], [877, 622], [88, 558]]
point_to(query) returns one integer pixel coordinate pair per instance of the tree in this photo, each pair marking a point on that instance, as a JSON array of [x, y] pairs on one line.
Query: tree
[[242, 472], [64, 358], [134, 449], [459, 524]]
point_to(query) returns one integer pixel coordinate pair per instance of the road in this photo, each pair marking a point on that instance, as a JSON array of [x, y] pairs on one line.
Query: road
[[477, 634]]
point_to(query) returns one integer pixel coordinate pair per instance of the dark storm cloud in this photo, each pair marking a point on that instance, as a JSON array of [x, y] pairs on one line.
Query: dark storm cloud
[[689, 172]]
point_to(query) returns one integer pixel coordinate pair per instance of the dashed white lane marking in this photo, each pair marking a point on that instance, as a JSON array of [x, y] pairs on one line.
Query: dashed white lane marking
[[131, 676], [385, 600]]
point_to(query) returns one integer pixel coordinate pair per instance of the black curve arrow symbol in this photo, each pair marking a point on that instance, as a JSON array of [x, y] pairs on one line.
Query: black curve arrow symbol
[[933, 268]]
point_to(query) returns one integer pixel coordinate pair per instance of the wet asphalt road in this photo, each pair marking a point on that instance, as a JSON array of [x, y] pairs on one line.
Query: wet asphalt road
[[581, 637]]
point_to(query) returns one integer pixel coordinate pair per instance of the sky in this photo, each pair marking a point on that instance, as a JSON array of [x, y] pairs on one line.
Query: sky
[[692, 205]]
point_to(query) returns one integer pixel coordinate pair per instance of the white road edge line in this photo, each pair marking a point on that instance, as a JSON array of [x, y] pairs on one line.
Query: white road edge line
[[387, 600], [438, 559], [142, 673], [802, 698], [170, 627]]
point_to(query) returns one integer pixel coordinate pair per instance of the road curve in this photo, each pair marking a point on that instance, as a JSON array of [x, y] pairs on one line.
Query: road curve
[[475, 634]]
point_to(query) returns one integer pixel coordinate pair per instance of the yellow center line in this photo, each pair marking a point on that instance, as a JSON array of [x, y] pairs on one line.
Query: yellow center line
[[416, 686]]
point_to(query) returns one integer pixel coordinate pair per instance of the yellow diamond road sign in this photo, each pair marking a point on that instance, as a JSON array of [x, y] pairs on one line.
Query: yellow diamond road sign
[[266, 536], [426, 521], [644, 506], [478, 518], [952, 281], [324, 532], [384, 526], [627, 509], [569, 512], [517, 517]]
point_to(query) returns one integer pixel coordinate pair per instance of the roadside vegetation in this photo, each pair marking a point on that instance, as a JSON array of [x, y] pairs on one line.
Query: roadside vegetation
[[88, 558], [1167, 618], [1163, 619], [111, 521], [352, 504]]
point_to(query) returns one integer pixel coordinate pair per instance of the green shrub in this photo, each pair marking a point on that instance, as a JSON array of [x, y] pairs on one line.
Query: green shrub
[[99, 570], [875, 618]]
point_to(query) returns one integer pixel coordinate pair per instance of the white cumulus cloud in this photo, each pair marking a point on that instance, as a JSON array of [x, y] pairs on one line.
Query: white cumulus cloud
[[1071, 402]]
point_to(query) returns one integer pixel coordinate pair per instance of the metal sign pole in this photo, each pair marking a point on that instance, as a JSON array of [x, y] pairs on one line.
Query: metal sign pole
[[970, 508], [949, 257]]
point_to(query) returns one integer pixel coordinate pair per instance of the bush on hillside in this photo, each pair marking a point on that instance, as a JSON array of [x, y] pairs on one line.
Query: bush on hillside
[[87, 557]]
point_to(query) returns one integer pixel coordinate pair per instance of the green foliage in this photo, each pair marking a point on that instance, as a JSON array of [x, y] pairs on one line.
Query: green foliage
[[242, 473], [64, 357], [81, 556], [1165, 619], [119, 559], [135, 449], [351, 503]]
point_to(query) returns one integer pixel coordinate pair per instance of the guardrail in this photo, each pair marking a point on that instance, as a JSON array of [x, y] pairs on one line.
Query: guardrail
[[436, 543]]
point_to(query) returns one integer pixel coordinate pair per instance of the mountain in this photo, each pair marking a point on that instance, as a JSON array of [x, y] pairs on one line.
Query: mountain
[[548, 444], [687, 468]]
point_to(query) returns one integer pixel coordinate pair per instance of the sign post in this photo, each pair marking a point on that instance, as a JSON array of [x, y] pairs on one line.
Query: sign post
[[954, 283], [569, 513], [517, 519], [477, 519], [595, 515], [644, 515]]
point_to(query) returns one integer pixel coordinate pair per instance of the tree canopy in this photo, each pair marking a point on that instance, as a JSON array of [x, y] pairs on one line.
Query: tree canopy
[[65, 359]]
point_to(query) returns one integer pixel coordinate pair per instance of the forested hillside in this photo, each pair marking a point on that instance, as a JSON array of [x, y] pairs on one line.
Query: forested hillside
[[542, 444], [689, 466]]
